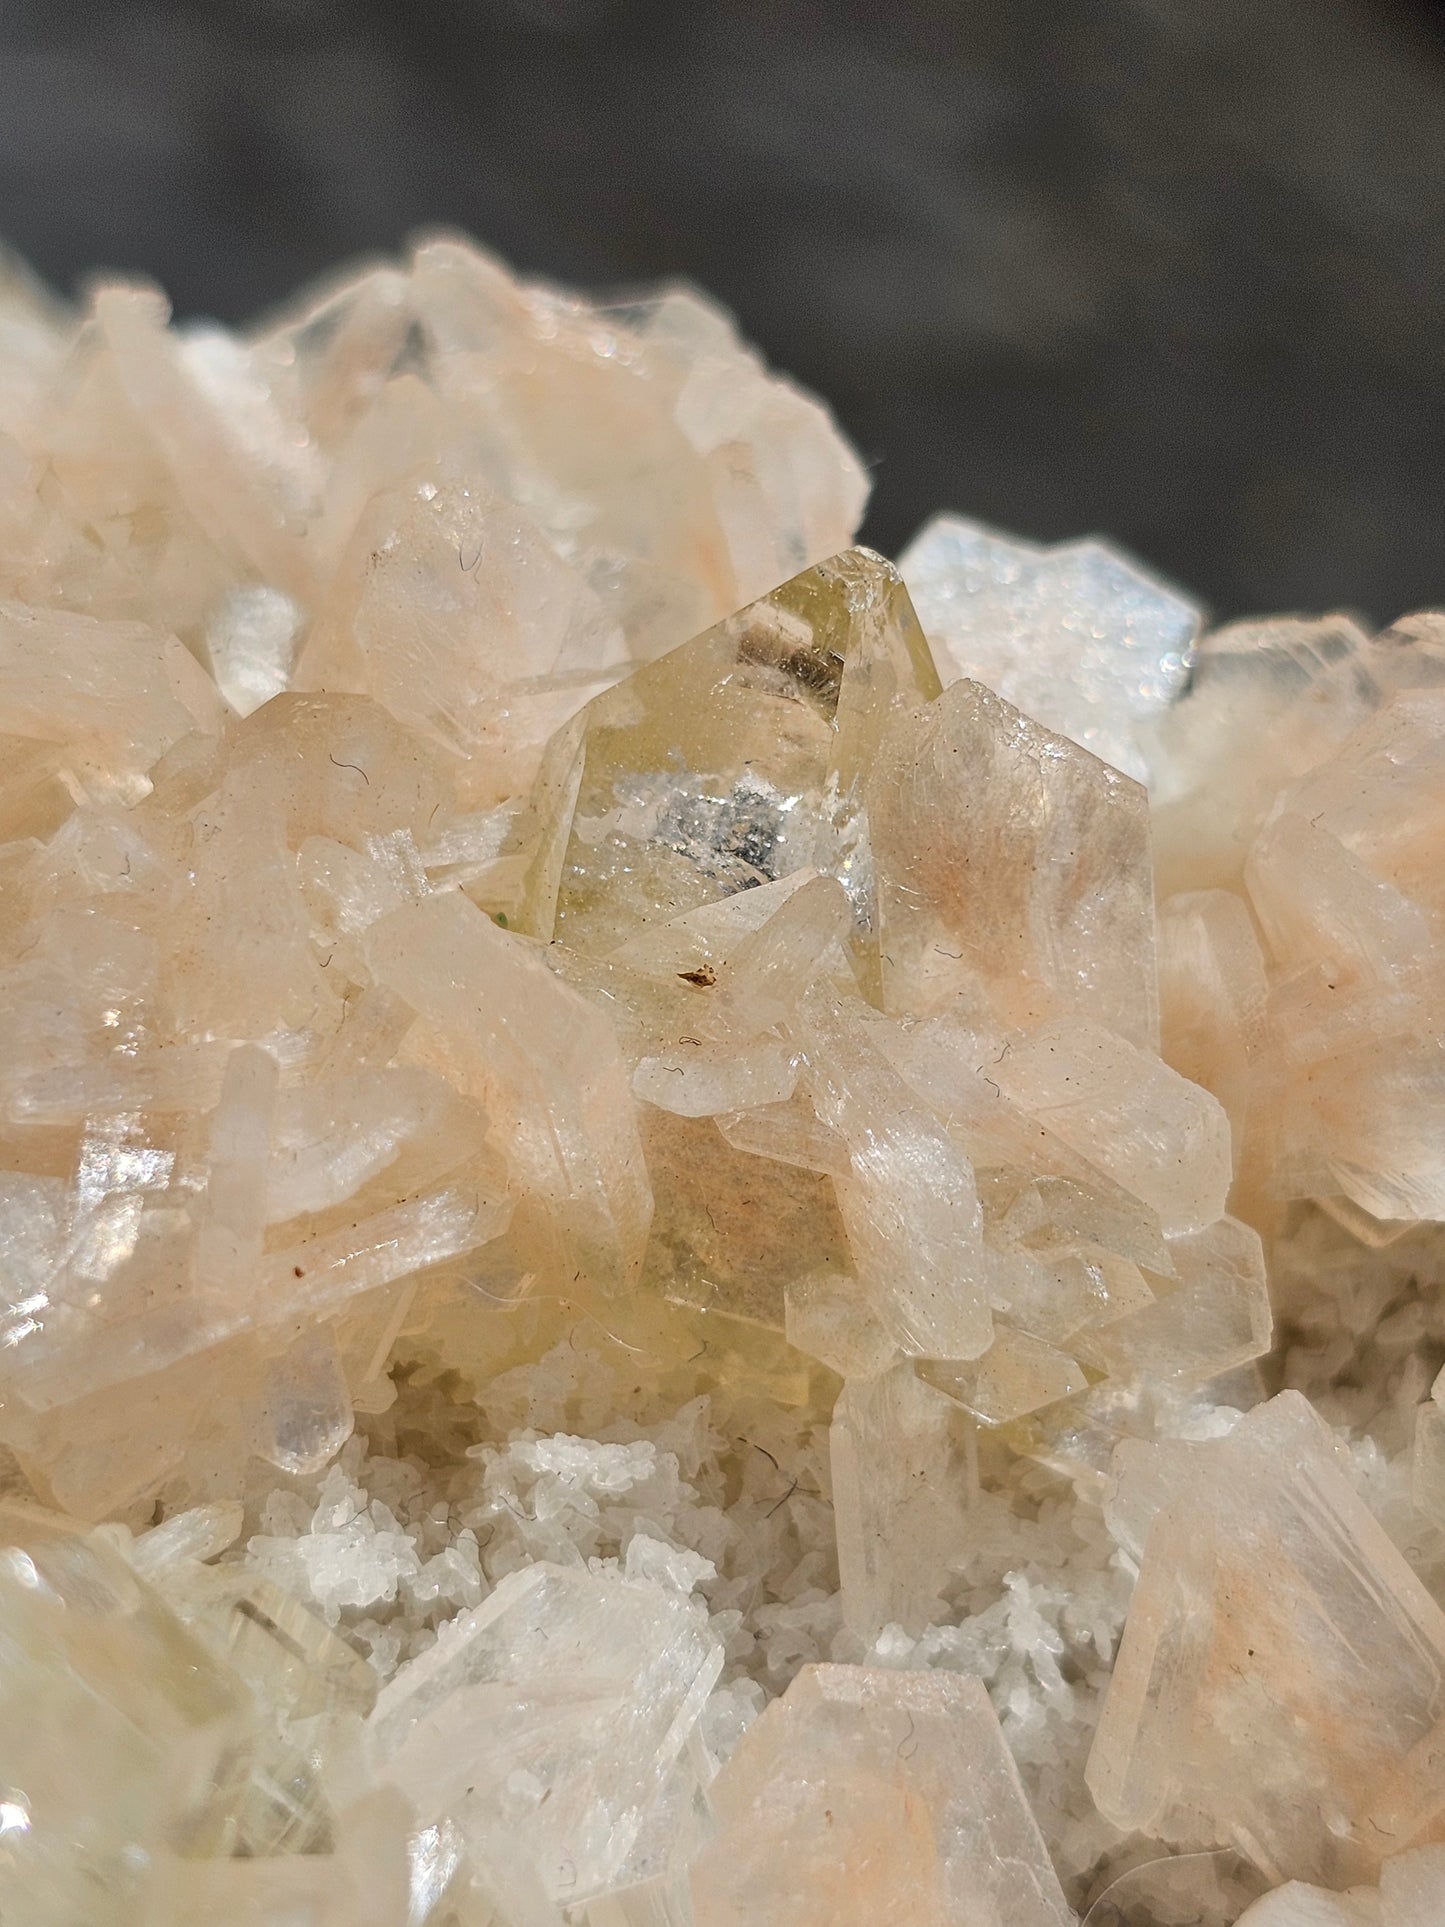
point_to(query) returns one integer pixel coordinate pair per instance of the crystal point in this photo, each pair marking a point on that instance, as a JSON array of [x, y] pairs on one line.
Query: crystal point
[[733, 761], [863, 1795], [1076, 636]]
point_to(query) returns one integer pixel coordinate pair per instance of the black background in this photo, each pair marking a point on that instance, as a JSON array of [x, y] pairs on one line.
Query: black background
[[1168, 269]]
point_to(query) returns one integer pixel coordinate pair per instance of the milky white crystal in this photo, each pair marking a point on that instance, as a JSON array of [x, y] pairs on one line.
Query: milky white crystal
[[1411, 1893], [548, 1718], [1076, 636], [902, 1492]]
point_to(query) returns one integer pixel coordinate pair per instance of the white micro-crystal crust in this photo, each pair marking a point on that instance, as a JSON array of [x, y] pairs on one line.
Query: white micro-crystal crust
[[676, 1250]]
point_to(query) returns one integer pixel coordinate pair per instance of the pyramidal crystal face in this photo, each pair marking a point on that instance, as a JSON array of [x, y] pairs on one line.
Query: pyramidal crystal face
[[647, 1206], [733, 761]]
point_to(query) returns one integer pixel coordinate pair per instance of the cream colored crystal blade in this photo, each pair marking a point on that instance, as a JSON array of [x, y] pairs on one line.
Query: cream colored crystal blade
[[862, 1795]]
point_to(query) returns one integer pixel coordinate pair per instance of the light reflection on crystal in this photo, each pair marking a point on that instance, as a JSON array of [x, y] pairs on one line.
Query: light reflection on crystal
[[14, 1816]]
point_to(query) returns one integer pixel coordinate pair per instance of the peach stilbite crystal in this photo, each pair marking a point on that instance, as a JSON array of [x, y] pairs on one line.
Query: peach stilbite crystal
[[861, 1795], [1254, 1627], [648, 1209]]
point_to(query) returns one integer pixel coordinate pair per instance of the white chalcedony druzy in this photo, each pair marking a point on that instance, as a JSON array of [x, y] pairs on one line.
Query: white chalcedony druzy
[[654, 1175]]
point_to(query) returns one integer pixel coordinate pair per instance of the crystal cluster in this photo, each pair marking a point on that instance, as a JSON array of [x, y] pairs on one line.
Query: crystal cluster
[[696, 1232]]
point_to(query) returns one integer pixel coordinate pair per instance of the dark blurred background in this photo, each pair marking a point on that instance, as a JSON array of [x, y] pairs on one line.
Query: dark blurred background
[[1168, 269]]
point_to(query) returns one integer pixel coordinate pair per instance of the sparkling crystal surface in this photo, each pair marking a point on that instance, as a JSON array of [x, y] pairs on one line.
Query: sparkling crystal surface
[[1076, 636]]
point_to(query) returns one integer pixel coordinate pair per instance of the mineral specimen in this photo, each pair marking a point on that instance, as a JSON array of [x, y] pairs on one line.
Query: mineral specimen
[[678, 1250]]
